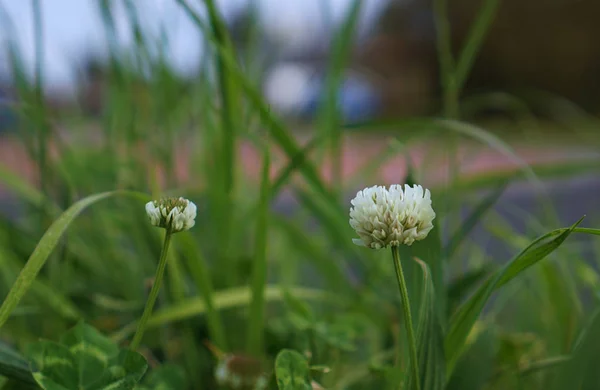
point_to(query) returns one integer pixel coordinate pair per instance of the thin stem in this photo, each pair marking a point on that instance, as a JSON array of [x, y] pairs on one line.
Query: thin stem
[[259, 271], [160, 271], [414, 362]]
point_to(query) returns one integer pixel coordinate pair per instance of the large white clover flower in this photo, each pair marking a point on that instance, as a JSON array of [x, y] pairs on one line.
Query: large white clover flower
[[175, 214], [383, 217]]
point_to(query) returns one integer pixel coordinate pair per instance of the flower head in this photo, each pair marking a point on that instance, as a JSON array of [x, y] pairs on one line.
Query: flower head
[[383, 217], [176, 214]]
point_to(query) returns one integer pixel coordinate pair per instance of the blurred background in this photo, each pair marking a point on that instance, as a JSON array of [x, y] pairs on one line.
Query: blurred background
[[535, 82], [542, 46]]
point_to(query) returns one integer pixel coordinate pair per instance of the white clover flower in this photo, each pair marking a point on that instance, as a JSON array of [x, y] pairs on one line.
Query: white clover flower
[[176, 214], [383, 218]]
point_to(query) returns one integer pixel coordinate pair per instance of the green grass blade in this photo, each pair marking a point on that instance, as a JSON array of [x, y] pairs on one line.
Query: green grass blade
[[259, 266], [428, 250], [295, 162], [201, 276], [430, 346], [25, 191], [475, 39], [329, 120], [301, 240], [55, 300], [458, 289], [45, 247], [581, 372], [472, 219], [463, 320], [595, 232], [276, 129]]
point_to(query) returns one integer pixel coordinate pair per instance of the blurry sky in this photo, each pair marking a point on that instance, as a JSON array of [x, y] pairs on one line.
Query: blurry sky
[[73, 27]]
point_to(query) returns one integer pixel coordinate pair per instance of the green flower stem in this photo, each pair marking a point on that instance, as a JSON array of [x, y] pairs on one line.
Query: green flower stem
[[414, 362], [160, 271]]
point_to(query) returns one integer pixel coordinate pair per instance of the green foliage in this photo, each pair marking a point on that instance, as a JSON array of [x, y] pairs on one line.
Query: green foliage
[[15, 367], [165, 377], [43, 250], [464, 318], [85, 359], [292, 371]]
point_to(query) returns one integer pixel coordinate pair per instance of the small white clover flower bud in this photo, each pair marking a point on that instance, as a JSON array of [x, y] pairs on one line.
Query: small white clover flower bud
[[384, 218], [175, 214]]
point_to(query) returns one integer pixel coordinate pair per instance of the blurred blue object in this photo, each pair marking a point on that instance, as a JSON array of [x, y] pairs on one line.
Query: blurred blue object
[[358, 100]]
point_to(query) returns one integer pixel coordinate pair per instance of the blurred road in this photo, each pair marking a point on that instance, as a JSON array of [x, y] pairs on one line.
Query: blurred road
[[571, 197]]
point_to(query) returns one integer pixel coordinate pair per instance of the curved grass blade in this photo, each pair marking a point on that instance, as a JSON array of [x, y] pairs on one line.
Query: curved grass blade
[[45, 247], [227, 299], [463, 320]]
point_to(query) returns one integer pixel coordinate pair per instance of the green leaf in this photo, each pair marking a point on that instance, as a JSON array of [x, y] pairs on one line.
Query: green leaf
[[292, 371], [463, 320], [45, 247], [165, 377], [14, 366], [85, 360], [429, 251], [430, 346]]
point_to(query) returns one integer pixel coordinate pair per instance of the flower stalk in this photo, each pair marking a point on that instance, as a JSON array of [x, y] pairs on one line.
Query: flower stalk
[[174, 215], [160, 272], [412, 345], [392, 217]]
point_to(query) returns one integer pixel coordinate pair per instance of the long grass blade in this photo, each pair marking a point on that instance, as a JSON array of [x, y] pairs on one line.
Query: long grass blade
[[259, 267], [45, 247], [463, 320]]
